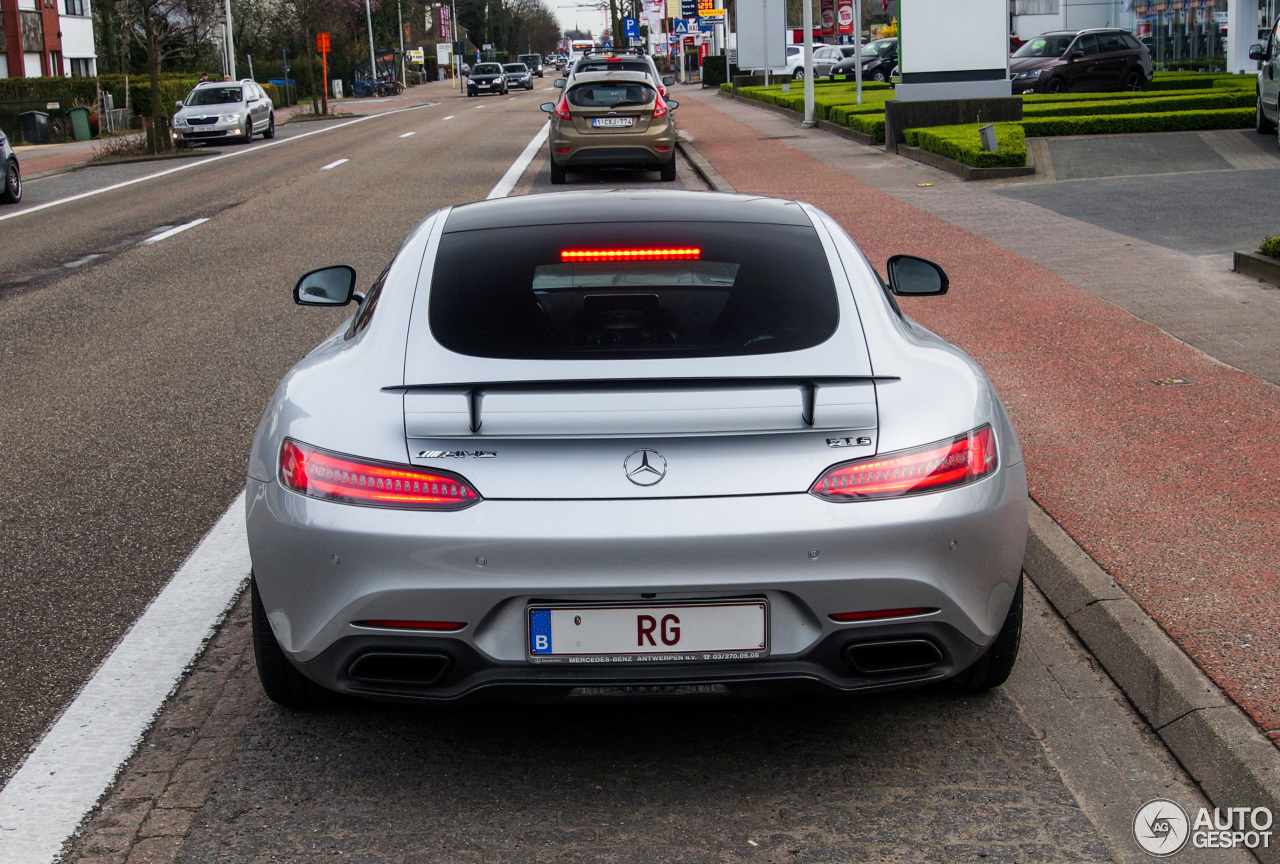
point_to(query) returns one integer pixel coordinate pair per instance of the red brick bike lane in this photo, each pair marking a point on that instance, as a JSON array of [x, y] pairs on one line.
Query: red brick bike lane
[[1170, 487]]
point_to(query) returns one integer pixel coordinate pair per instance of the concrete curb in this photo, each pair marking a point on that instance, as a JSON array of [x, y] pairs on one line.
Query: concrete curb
[[709, 174], [1258, 266], [1221, 748], [960, 169]]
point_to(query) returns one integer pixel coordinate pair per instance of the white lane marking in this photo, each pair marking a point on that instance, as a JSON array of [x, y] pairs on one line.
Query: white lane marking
[[80, 262], [550, 88], [165, 235], [509, 98], [450, 117], [334, 164], [512, 177], [77, 760], [407, 134], [478, 107], [196, 163]]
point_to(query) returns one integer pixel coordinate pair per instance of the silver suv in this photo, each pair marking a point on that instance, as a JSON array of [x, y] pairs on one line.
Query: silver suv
[[619, 61], [225, 110]]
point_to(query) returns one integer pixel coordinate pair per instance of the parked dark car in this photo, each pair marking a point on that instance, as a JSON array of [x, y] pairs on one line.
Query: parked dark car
[[11, 182], [487, 78], [1080, 60], [879, 59]]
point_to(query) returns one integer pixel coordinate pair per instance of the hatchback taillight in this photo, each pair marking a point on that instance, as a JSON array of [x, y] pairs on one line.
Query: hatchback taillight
[[660, 109], [334, 477], [931, 468], [562, 107]]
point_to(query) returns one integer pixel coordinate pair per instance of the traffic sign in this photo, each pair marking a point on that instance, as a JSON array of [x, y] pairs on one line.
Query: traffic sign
[[680, 26], [322, 42], [631, 28]]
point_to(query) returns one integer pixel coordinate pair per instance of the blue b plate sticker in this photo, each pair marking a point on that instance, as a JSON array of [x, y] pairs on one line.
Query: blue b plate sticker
[[540, 631]]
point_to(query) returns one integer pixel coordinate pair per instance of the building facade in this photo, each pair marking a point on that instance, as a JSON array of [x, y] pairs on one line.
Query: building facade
[[42, 38]]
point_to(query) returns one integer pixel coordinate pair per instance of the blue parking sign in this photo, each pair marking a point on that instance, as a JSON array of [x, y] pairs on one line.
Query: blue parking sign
[[631, 28]]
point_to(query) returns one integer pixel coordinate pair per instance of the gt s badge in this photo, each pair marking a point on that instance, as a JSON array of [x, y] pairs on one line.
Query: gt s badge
[[848, 442], [457, 454]]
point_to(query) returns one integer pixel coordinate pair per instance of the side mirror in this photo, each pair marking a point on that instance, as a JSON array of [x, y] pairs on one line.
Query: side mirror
[[178, 105], [1077, 54], [548, 107], [910, 276], [328, 286], [668, 81], [560, 82], [672, 104], [1256, 52]]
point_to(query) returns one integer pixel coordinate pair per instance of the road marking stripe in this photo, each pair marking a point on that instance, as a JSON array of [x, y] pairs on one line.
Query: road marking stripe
[[450, 117], [509, 98], [196, 163], [512, 177], [334, 164], [77, 760], [165, 235], [407, 134], [478, 107]]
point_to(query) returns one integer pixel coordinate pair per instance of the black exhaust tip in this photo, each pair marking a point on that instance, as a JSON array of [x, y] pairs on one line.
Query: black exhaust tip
[[400, 669], [894, 657]]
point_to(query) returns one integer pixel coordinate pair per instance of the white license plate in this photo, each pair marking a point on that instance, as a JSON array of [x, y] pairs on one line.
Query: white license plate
[[613, 121], [201, 128], [675, 632], [482, 85]]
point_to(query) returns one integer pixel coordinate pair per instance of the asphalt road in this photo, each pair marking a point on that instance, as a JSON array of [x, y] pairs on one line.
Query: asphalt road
[[130, 385], [129, 388]]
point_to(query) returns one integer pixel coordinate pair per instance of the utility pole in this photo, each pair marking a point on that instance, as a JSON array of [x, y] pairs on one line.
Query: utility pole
[[368, 17], [231, 43], [249, 57], [806, 21], [400, 18], [857, 44]]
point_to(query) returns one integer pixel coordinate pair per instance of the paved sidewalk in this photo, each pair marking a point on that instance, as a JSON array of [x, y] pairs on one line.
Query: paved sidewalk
[[42, 160], [1169, 488]]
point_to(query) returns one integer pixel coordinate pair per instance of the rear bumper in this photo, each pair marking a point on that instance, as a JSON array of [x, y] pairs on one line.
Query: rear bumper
[[434, 669], [321, 566]]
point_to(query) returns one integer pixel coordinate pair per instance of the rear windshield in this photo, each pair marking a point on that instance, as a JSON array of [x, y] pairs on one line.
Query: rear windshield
[[1053, 45], [632, 291], [611, 94], [612, 66]]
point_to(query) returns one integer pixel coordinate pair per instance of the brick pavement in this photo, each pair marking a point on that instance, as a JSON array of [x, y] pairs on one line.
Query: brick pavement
[[1170, 489]]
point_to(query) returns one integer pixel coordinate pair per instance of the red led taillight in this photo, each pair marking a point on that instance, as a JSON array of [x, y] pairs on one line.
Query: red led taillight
[[931, 468], [429, 626], [562, 107], [333, 477], [880, 614], [660, 109], [672, 254]]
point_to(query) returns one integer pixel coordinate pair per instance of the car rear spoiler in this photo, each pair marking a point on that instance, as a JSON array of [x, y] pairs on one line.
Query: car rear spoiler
[[475, 391]]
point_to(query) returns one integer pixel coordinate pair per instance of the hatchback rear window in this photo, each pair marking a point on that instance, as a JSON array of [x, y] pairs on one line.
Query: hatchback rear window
[[632, 291], [612, 66], [611, 94]]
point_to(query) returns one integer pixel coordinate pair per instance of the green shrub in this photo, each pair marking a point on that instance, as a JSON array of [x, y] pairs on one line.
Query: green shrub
[[1202, 100], [73, 91], [1270, 247], [868, 124], [1167, 121], [963, 144]]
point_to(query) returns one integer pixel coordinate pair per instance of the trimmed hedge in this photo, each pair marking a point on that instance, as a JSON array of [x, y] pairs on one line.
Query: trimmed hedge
[[75, 91], [1203, 101], [870, 124], [964, 144], [1165, 121]]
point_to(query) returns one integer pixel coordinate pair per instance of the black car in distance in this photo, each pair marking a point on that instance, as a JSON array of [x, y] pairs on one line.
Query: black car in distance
[[487, 78], [879, 59], [1080, 61]]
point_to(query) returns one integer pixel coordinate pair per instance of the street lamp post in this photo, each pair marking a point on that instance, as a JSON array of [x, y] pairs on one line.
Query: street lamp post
[[368, 17], [806, 22], [231, 44]]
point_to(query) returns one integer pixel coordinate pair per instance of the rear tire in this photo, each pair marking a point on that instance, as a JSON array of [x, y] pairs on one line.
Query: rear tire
[[11, 191], [798, 74], [283, 684], [557, 173], [1263, 125], [668, 171], [1134, 81], [996, 663]]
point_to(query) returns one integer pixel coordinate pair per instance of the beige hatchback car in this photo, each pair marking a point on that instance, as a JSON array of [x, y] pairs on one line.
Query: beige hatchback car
[[612, 120]]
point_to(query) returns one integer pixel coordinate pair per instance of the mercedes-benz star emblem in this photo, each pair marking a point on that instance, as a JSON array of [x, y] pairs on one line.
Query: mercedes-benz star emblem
[[645, 467]]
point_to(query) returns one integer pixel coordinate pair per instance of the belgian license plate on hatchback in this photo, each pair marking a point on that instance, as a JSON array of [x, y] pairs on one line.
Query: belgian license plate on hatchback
[[612, 121], [638, 634]]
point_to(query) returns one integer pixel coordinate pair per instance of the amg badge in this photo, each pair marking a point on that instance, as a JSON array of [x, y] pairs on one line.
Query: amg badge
[[457, 454]]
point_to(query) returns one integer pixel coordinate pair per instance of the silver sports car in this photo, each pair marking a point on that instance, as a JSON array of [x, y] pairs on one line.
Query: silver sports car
[[666, 444]]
